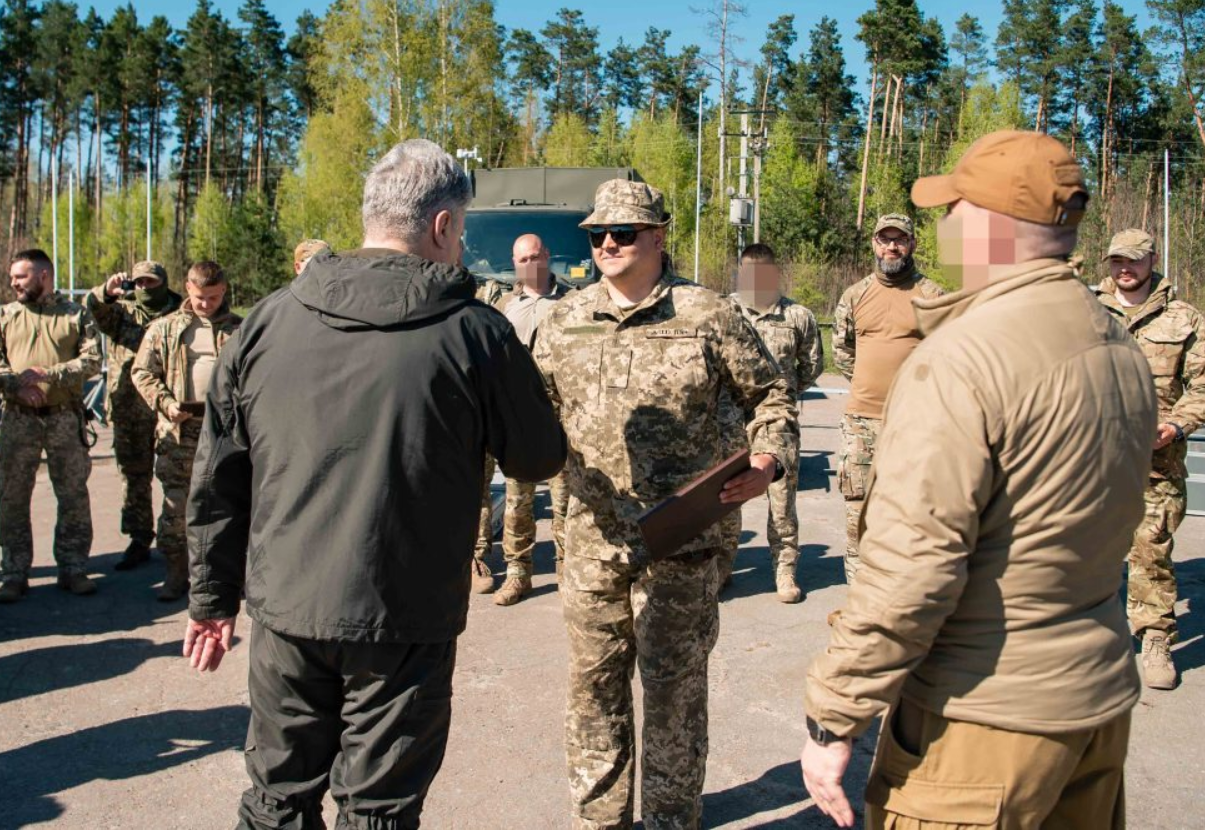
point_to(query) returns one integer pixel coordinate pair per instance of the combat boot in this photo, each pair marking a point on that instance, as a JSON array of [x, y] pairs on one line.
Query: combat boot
[[1158, 669], [175, 584], [78, 584], [135, 555], [13, 589], [482, 579], [513, 589], [788, 590], [560, 567]]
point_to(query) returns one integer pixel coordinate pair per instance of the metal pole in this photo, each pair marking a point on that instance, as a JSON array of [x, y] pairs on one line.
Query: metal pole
[[1167, 251], [148, 207], [757, 197], [699, 186], [744, 174], [71, 231], [54, 221]]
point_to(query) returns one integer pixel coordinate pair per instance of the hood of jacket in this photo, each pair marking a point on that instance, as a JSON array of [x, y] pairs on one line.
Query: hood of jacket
[[374, 288]]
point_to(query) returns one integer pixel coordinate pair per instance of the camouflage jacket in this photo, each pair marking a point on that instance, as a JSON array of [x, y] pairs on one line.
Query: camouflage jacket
[[1171, 333], [845, 333], [59, 336], [124, 323], [792, 337], [638, 393], [160, 370], [492, 292]]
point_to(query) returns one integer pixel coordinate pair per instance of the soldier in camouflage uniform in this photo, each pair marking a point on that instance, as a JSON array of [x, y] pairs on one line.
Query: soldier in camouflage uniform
[[535, 294], [123, 317], [1171, 333], [790, 334], [874, 331], [172, 373], [635, 364], [48, 348]]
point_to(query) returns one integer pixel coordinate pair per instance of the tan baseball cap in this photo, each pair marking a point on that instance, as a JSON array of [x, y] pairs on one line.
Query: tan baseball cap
[[307, 248], [149, 268], [1024, 175], [1131, 244], [894, 220], [621, 202]]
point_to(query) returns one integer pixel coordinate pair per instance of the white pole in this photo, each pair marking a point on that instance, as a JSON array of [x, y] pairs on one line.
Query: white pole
[[71, 230], [54, 220], [148, 207], [698, 185], [1167, 251]]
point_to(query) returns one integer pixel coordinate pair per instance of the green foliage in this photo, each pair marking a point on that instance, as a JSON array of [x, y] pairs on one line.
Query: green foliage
[[568, 142]]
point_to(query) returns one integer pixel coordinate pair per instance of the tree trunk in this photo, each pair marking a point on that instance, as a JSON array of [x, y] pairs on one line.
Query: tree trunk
[[874, 79]]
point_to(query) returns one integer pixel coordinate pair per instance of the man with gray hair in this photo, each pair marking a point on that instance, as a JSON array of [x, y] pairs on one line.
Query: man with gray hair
[[338, 474]]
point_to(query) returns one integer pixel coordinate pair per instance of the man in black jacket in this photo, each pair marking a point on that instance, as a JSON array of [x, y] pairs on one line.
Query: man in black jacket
[[337, 482]]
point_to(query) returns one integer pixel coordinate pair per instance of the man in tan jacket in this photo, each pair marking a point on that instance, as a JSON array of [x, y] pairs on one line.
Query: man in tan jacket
[[985, 615]]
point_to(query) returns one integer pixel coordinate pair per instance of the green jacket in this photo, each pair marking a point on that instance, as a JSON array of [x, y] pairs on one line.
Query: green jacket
[[59, 336], [124, 323]]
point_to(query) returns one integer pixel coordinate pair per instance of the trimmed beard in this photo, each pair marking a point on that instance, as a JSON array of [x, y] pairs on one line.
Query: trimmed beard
[[894, 267]]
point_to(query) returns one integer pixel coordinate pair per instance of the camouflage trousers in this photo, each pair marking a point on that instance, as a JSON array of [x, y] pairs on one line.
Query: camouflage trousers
[[1151, 587], [23, 437], [782, 523], [485, 524], [134, 449], [664, 620], [733, 439], [173, 467], [519, 527], [858, 438]]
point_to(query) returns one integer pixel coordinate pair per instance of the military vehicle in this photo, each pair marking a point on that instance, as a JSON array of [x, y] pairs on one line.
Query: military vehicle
[[547, 201]]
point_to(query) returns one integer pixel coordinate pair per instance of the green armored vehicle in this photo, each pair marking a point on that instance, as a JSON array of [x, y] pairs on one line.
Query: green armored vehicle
[[547, 201]]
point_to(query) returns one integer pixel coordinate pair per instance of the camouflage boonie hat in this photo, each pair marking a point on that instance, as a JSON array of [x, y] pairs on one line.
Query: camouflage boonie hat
[[149, 268], [894, 220], [306, 249], [621, 202], [1131, 244]]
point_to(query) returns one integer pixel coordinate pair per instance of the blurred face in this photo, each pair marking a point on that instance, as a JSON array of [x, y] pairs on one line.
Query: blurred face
[[892, 250], [205, 301], [971, 240], [627, 250], [531, 262], [1131, 274], [29, 281], [759, 284]]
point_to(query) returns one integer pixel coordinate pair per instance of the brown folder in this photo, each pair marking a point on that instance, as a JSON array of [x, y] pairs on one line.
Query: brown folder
[[688, 512], [193, 408]]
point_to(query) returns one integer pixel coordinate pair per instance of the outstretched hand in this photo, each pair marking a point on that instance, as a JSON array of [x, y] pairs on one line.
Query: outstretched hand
[[207, 641], [823, 769]]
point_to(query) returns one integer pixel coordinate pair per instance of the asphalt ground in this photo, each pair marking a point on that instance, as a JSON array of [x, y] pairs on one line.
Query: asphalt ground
[[103, 725]]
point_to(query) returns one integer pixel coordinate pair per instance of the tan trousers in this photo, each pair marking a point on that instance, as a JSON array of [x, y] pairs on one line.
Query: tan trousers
[[964, 775]]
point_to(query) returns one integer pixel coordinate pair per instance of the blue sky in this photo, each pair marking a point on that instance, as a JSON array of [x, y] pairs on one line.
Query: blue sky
[[630, 18]]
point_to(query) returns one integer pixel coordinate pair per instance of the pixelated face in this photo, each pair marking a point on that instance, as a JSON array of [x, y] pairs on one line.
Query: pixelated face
[[1131, 274], [970, 240], [616, 260], [205, 301], [28, 280], [531, 261], [759, 284]]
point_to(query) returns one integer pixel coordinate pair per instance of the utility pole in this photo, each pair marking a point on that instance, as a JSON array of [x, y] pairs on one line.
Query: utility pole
[[744, 176], [758, 147], [699, 185], [468, 155]]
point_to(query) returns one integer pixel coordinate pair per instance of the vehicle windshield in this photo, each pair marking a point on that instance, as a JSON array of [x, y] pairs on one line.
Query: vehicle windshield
[[489, 237]]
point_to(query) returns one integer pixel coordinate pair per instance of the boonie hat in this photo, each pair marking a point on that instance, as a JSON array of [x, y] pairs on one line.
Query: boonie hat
[[894, 220], [621, 202], [1024, 175], [1131, 244], [149, 268], [307, 248]]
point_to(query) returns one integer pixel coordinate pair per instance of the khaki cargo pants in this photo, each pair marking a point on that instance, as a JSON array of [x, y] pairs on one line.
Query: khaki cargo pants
[[858, 439], [485, 526], [519, 526], [1151, 586], [932, 773]]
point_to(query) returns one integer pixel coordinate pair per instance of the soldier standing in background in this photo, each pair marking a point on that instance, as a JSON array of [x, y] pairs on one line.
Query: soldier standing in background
[[123, 316], [874, 331], [635, 364], [525, 309], [48, 348], [305, 251], [792, 338], [1171, 333], [172, 368]]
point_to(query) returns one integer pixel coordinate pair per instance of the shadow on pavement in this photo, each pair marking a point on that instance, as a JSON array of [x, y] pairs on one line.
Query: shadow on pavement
[[1190, 583], [753, 573], [37, 671], [124, 749], [815, 473]]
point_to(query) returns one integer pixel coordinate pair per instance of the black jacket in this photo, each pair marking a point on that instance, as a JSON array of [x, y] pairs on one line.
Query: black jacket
[[339, 474]]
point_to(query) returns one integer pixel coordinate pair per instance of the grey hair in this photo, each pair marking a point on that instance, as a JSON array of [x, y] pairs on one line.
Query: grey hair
[[407, 188]]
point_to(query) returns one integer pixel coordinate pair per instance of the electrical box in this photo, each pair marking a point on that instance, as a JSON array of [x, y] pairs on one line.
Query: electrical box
[[740, 211]]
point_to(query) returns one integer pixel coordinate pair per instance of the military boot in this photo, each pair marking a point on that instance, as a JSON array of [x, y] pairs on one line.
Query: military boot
[[175, 584], [788, 590], [135, 555], [513, 589], [482, 579], [78, 584], [1158, 669], [13, 589]]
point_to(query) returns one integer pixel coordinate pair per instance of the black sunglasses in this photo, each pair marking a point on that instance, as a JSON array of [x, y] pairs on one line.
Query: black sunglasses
[[623, 235]]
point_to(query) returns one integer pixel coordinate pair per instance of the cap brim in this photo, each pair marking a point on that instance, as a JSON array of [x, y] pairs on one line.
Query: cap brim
[[1128, 253], [934, 191]]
